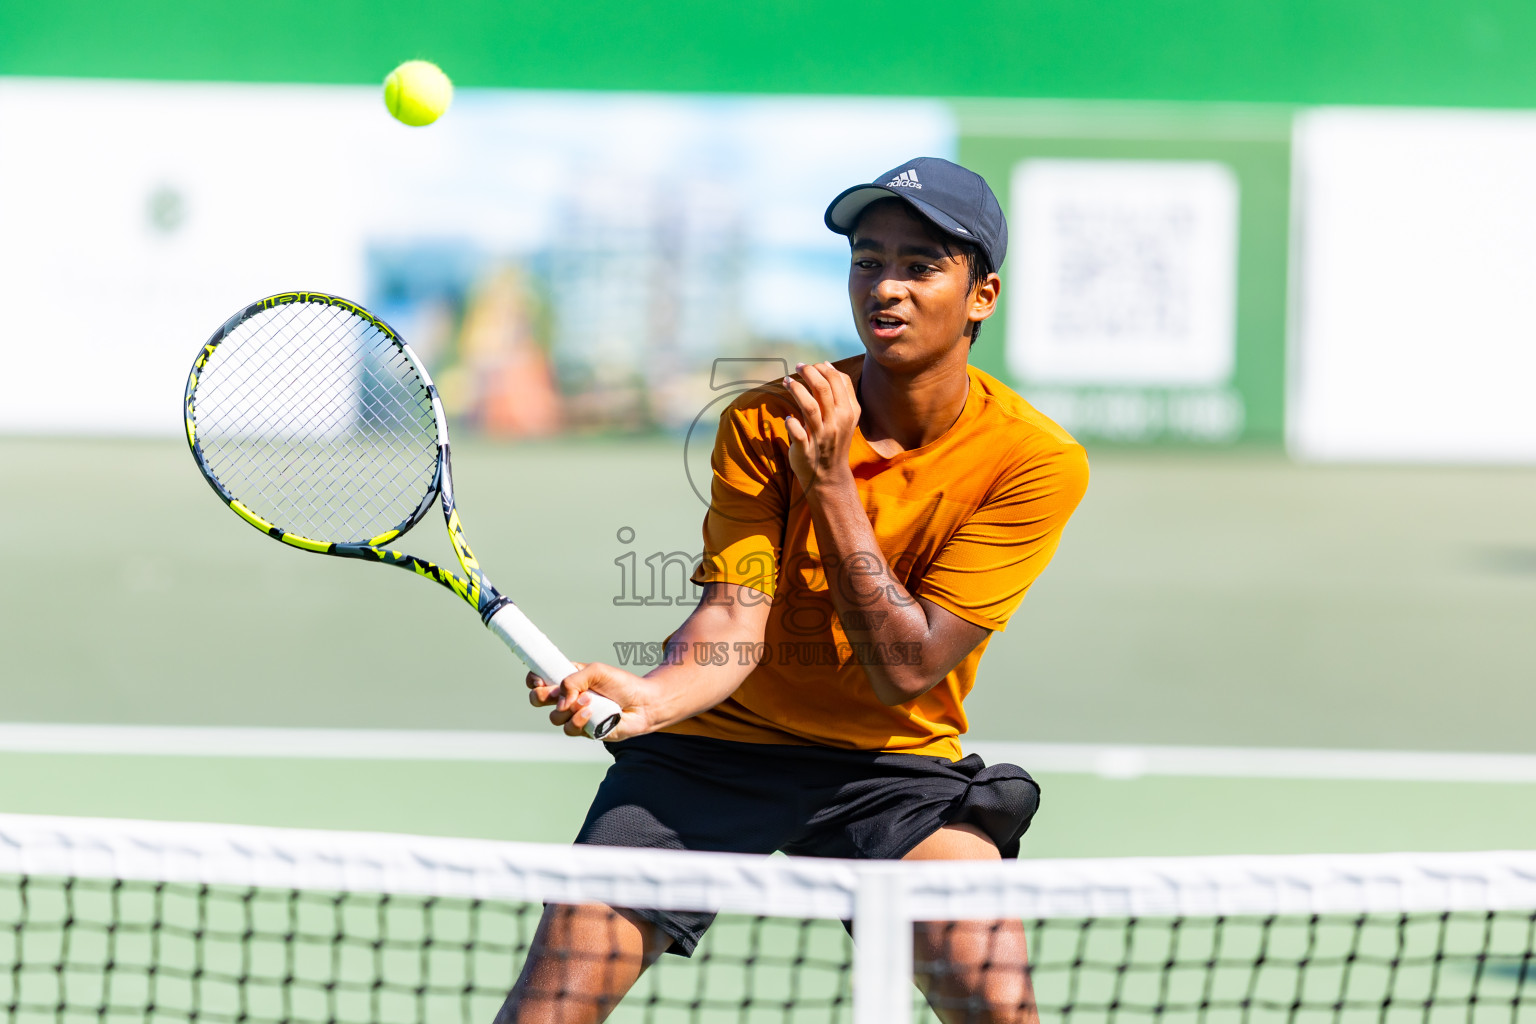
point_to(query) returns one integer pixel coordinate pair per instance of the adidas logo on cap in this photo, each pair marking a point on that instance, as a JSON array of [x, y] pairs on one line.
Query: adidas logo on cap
[[956, 200]]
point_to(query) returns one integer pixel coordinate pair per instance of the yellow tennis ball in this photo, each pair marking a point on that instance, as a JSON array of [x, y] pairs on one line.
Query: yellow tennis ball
[[417, 92]]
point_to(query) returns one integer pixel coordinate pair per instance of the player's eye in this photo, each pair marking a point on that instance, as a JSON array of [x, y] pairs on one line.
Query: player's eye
[[865, 264]]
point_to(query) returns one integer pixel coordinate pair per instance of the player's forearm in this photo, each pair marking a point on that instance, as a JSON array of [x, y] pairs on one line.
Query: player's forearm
[[694, 677], [886, 626]]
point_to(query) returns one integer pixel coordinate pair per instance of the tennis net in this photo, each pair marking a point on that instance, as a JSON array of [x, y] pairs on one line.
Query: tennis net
[[108, 920]]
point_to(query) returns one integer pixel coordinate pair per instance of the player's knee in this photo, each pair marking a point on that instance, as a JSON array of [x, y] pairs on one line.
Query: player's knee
[[1005, 997], [581, 962], [976, 972]]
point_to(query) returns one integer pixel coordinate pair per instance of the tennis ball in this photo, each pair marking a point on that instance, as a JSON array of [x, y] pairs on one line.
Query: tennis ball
[[417, 92]]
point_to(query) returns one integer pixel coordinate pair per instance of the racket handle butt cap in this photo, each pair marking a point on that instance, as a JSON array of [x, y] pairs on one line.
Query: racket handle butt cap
[[605, 716], [539, 653]]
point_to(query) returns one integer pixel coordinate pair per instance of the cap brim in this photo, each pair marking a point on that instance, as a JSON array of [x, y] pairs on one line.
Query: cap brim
[[844, 211]]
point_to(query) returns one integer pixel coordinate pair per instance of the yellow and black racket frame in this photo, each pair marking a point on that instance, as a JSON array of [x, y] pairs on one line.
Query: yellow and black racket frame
[[472, 587]]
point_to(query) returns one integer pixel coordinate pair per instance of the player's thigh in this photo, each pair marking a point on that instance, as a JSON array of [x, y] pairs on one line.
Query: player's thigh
[[965, 942], [955, 842], [582, 961]]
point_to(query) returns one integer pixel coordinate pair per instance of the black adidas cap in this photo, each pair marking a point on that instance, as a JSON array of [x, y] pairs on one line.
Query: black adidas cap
[[959, 202]]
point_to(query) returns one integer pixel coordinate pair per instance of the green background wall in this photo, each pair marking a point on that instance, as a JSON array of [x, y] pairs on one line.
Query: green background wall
[[1451, 52]]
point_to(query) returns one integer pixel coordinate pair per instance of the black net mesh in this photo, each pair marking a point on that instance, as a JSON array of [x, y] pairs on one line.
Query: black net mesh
[[1387, 967], [90, 950], [103, 950]]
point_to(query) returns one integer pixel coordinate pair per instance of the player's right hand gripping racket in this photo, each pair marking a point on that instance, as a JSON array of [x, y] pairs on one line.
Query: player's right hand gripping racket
[[317, 424]]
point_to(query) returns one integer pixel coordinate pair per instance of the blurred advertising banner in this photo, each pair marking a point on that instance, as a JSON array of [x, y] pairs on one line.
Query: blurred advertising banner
[[562, 261], [1415, 325], [577, 261], [1353, 283]]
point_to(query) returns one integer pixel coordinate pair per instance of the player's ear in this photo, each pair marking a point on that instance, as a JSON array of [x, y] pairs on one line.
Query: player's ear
[[984, 297]]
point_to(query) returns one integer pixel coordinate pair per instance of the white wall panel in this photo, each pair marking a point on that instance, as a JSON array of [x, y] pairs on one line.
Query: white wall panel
[[135, 217], [1414, 326]]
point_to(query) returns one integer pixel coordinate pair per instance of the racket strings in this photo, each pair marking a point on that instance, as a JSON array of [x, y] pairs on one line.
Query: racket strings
[[318, 425], [301, 403], [376, 401], [318, 422], [237, 388]]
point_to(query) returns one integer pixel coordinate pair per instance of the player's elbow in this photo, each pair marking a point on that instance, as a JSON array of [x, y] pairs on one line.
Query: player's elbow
[[895, 690]]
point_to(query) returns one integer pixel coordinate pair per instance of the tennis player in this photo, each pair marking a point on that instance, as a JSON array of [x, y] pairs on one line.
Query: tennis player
[[873, 522]]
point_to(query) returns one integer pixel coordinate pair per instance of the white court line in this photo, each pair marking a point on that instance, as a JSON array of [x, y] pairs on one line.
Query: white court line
[[1105, 760], [1129, 762], [331, 744]]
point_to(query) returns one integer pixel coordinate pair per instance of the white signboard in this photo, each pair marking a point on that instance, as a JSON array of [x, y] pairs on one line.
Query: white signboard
[[1414, 332], [135, 218], [1123, 273]]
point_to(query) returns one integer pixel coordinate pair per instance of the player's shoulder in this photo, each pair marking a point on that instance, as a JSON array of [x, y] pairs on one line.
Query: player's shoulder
[[754, 417], [1012, 425], [1005, 411], [770, 401]]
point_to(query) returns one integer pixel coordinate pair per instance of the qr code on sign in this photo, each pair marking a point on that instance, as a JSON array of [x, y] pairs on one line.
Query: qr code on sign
[[1126, 272], [1123, 272]]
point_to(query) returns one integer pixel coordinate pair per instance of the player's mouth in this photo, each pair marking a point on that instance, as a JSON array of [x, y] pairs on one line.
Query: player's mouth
[[886, 326]]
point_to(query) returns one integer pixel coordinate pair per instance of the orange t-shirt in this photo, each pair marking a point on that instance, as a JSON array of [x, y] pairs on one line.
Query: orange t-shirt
[[966, 522]]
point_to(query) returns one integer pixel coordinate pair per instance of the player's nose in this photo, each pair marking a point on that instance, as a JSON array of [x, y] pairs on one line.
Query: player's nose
[[887, 289]]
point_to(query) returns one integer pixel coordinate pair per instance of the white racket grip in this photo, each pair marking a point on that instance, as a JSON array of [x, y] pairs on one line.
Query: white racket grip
[[539, 653]]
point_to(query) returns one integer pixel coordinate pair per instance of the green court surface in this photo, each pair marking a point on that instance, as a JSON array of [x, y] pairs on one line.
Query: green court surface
[[1198, 598]]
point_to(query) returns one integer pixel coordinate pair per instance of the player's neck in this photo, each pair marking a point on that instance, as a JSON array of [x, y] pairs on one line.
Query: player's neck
[[903, 412]]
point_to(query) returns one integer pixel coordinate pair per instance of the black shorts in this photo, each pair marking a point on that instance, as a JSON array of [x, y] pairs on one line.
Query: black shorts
[[693, 793]]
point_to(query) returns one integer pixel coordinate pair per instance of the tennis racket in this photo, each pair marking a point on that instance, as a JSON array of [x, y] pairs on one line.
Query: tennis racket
[[316, 423]]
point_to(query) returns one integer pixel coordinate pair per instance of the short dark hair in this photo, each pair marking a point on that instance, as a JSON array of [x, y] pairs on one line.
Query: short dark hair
[[976, 270]]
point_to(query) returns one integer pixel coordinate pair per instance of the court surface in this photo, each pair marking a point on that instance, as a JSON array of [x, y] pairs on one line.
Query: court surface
[[1199, 599]]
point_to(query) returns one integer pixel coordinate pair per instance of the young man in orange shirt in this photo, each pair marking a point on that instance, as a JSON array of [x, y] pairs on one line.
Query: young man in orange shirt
[[873, 521]]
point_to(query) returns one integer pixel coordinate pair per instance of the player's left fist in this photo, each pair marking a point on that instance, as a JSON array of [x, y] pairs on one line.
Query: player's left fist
[[822, 431]]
